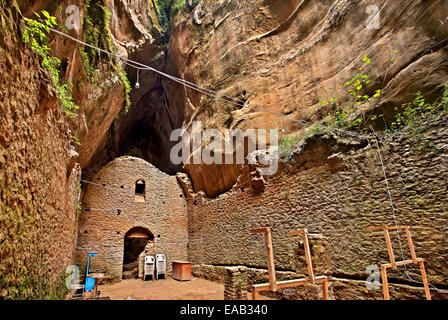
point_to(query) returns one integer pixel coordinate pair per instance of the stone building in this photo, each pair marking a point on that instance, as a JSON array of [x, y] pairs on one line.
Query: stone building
[[128, 204]]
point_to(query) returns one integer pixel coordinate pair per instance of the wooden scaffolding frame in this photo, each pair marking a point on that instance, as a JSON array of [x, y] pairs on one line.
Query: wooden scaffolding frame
[[273, 284], [394, 264]]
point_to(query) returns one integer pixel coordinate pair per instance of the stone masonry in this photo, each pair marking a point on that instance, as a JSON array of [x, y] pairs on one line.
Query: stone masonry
[[339, 288], [164, 214], [235, 284], [340, 202]]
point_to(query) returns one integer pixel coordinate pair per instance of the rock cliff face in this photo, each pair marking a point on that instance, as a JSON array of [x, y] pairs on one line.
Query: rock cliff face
[[281, 55], [40, 158], [38, 176], [144, 131], [99, 82]]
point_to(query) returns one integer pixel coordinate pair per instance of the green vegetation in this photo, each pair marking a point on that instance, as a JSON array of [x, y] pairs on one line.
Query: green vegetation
[[357, 111], [419, 112], [38, 288], [166, 10], [23, 275], [286, 146], [36, 35], [351, 114], [128, 89], [97, 33]]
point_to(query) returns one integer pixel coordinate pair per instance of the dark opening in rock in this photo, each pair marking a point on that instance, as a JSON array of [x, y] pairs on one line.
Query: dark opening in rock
[[135, 241], [140, 187]]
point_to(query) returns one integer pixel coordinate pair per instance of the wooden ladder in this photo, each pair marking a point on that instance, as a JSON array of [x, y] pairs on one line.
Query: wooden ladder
[[273, 284], [394, 264]]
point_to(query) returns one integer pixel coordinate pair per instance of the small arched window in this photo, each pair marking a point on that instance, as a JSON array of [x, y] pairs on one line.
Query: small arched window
[[140, 189]]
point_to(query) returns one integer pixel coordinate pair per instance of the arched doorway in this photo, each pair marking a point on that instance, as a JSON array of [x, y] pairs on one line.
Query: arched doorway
[[135, 241]]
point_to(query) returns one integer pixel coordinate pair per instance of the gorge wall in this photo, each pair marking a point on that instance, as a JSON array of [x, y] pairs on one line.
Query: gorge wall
[[42, 149], [279, 55], [282, 55], [38, 176]]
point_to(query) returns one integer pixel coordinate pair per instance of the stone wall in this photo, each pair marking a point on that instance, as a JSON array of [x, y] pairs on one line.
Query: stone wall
[[339, 201], [339, 288], [282, 55], [164, 214], [235, 284]]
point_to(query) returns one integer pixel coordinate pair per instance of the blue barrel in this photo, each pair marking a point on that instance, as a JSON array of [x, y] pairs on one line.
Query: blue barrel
[[90, 284]]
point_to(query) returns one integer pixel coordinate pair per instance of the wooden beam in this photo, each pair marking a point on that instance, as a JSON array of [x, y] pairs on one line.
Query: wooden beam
[[401, 263], [425, 279], [299, 282], [390, 249], [270, 257], [394, 264], [398, 227], [309, 262], [273, 285], [325, 290], [306, 244], [385, 283], [411, 245], [370, 229], [260, 230]]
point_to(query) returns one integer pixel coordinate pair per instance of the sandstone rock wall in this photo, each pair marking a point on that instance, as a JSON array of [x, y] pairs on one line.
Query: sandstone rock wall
[[133, 32], [144, 131], [282, 55], [38, 177], [339, 202], [40, 174]]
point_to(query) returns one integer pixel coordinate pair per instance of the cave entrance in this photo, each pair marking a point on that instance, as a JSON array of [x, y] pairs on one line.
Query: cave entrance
[[135, 241]]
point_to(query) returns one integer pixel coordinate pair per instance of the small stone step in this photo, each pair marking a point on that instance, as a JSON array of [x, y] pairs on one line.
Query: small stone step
[[130, 266], [131, 274], [130, 270]]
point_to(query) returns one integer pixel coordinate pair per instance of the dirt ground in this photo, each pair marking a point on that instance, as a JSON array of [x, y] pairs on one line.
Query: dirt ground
[[169, 289]]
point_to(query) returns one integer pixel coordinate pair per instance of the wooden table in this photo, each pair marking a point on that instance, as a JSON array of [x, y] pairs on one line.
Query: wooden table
[[182, 270]]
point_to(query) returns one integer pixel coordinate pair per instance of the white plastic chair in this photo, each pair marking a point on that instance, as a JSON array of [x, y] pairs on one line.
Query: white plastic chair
[[76, 286], [149, 267]]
